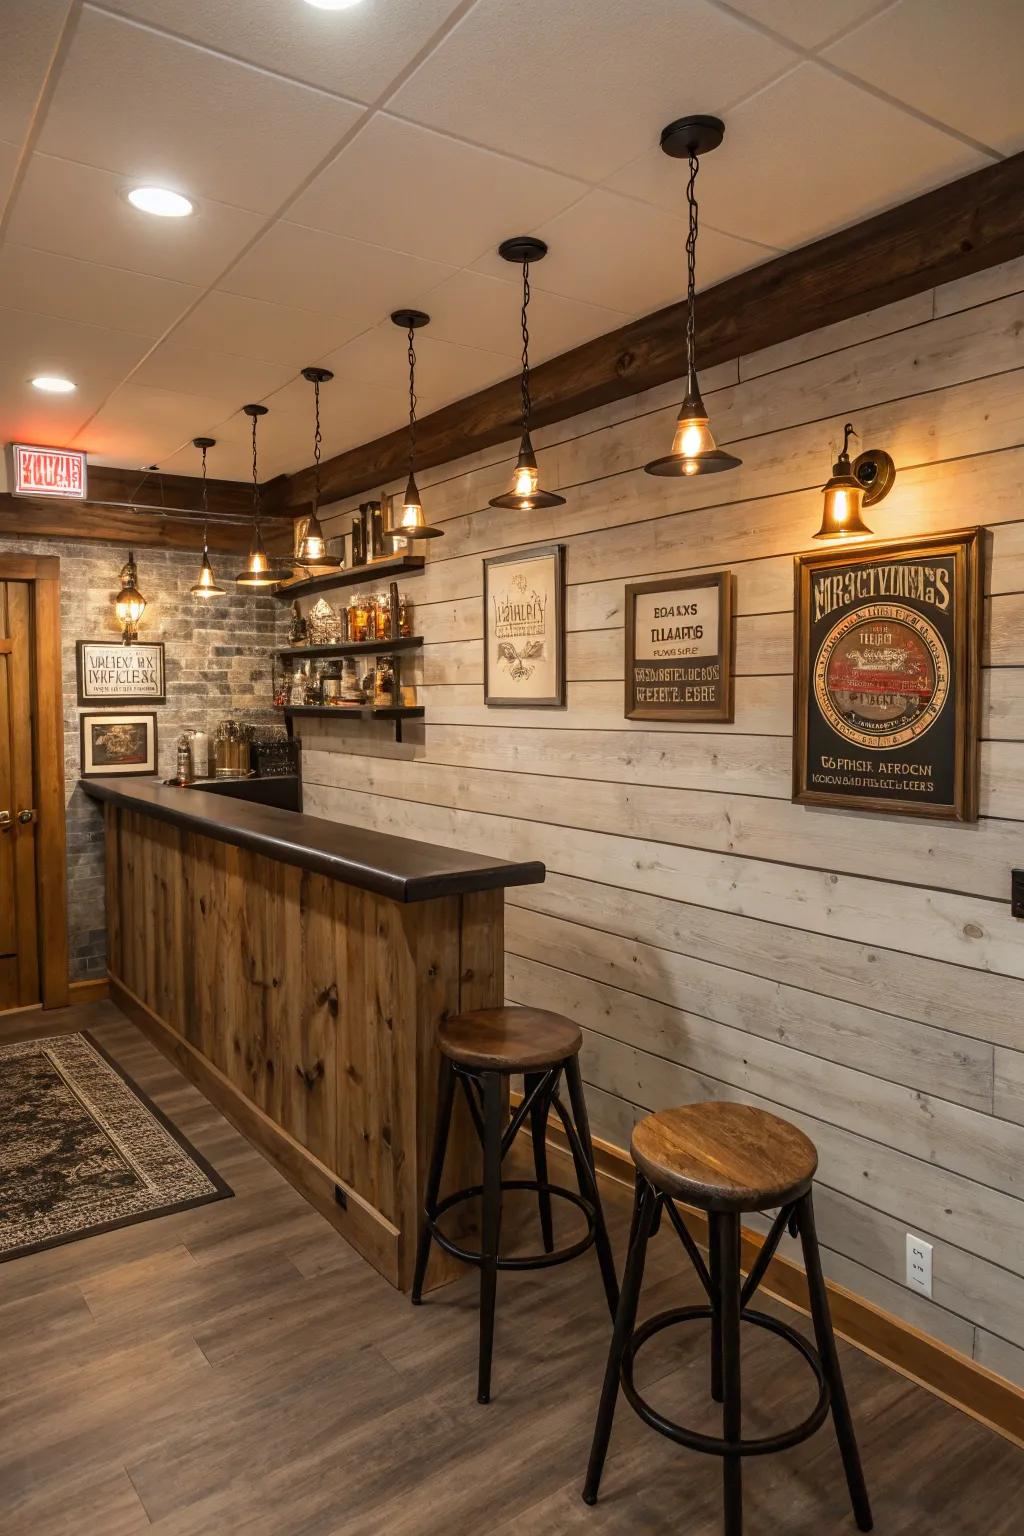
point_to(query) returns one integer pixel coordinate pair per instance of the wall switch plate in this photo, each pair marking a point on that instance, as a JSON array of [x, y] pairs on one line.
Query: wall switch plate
[[919, 1264], [1017, 893]]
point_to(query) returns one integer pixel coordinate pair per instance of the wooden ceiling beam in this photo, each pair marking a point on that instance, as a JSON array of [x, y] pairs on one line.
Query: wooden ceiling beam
[[960, 228], [23, 518], [175, 492]]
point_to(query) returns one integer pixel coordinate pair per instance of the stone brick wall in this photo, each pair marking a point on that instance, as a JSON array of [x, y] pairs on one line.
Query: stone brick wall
[[218, 663]]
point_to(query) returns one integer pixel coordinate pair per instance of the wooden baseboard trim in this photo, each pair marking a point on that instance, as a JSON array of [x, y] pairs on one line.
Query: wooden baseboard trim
[[370, 1233], [95, 990], [947, 1373]]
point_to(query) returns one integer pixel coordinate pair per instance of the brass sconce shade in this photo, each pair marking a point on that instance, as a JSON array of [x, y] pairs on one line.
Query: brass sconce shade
[[129, 604], [312, 553], [206, 584], [412, 520], [853, 486], [694, 450], [525, 494]]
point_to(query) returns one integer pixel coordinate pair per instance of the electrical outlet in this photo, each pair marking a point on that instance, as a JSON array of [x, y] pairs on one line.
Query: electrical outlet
[[919, 1264]]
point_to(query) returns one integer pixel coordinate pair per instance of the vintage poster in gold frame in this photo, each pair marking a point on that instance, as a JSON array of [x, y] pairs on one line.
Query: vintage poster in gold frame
[[679, 644], [887, 676]]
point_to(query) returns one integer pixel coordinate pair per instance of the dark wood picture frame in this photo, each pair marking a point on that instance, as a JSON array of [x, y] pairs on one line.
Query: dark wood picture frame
[[721, 709], [108, 717], [556, 700], [960, 556], [118, 700]]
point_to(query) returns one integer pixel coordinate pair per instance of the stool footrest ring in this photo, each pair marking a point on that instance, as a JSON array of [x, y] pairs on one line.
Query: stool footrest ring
[[712, 1444], [527, 1261]]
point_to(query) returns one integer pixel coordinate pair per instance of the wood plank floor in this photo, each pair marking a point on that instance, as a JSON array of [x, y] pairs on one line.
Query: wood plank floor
[[237, 1368]]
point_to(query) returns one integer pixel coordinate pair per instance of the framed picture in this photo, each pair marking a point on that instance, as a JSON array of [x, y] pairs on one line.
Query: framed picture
[[109, 672], [679, 648], [524, 629], [118, 744], [888, 676]]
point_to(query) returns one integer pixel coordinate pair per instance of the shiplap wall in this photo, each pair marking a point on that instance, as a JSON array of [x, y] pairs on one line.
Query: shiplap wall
[[859, 974]]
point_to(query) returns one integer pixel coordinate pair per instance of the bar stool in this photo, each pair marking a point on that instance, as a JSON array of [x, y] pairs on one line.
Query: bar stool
[[480, 1050], [726, 1159]]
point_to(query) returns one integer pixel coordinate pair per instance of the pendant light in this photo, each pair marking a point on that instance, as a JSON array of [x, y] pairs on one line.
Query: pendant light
[[258, 570], [852, 486], [129, 604], [412, 522], [525, 495], [206, 584], [312, 552], [693, 447]]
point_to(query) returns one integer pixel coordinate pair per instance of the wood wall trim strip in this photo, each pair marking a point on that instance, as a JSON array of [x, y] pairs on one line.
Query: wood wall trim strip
[[94, 990], [960, 1381], [958, 229]]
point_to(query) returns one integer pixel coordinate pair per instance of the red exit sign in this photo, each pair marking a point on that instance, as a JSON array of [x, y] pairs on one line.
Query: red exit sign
[[47, 472]]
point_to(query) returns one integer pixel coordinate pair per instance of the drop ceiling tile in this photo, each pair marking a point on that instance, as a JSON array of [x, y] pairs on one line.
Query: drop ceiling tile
[[39, 344], [31, 32], [404, 187], [584, 86], [26, 416], [8, 166], [83, 290], [200, 371], [149, 107], [958, 63], [144, 425], [808, 23], [475, 310], [274, 333], [78, 210], [891, 157], [357, 52], [354, 282], [625, 255]]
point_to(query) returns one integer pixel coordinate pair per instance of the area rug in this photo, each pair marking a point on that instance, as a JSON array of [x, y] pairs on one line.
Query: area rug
[[83, 1150]]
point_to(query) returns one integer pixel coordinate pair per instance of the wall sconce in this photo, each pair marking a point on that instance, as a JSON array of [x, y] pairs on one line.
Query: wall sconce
[[862, 483], [129, 604]]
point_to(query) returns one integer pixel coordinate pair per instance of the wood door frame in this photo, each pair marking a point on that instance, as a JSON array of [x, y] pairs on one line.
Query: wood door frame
[[43, 574]]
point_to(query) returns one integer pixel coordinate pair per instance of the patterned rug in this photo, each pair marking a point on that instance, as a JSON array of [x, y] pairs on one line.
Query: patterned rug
[[83, 1150]]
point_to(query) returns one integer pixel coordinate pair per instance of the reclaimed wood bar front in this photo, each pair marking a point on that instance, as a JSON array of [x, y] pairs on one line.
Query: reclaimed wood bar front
[[297, 970]]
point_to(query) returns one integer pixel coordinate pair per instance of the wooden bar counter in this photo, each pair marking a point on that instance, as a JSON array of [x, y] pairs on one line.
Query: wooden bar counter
[[297, 971]]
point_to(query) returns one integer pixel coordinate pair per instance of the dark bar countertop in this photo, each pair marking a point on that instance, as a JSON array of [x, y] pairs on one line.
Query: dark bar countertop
[[397, 867]]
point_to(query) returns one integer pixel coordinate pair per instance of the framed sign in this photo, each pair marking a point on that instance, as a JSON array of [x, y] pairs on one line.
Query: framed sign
[[679, 648], [887, 677], [47, 472], [111, 672], [118, 744], [524, 629]]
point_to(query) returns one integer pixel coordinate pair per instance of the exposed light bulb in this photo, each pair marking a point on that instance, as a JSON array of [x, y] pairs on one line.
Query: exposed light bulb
[[693, 436], [527, 480], [51, 384], [313, 548], [161, 202]]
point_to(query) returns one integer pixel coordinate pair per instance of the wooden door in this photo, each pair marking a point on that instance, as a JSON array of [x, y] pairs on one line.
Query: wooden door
[[19, 943]]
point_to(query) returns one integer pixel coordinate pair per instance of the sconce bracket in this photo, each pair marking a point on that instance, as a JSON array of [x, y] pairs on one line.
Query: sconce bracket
[[876, 472]]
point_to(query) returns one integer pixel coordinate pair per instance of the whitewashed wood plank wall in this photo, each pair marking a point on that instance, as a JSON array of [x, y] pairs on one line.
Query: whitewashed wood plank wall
[[859, 974]]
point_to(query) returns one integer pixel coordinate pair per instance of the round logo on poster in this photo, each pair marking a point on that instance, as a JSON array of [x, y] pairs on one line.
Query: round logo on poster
[[881, 676]]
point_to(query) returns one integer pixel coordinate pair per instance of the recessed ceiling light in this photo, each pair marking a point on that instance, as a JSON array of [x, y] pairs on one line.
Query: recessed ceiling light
[[332, 5], [51, 385], [158, 200]]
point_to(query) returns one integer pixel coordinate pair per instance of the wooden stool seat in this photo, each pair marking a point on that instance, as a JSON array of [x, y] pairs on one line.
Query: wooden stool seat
[[725, 1157], [509, 1039]]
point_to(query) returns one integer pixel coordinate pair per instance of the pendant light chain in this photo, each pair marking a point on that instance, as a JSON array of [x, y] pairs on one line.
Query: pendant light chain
[[525, 383], [206, 506], [317, 438], [691, 269], [412, 398], [255, 481]]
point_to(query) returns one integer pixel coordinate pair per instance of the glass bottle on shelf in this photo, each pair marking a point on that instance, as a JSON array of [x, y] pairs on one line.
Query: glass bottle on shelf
[[351, 692], [384, 683], [404, 615]]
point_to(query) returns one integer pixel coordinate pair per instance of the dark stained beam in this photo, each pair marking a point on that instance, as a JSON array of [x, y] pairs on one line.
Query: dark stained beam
[[960, 228], [23, 518], [175, 492]]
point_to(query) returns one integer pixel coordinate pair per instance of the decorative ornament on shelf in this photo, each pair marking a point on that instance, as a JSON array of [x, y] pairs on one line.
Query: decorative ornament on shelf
[[863, 483], [259, 572], [206, 584], [525, 494], [312, 552], [129, 604], [412, 522], [694, 451], [297, 629], [323, 627]]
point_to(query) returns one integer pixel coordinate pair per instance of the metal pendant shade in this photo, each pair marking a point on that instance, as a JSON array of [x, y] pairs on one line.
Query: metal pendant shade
[[206, 584], [312, 553], [525, 494], [694, 450], [412, 520], [259, 572]]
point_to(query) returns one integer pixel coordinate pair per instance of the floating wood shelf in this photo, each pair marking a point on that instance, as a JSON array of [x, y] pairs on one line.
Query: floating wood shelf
[[395, 712], [353, 648], [351, 576]]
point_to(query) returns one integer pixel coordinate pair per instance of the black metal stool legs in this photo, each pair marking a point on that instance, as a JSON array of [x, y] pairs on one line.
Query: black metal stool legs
[[725, 1266], [586, 1174], [491, 1225], [645, 1206], [445, 1099], [826, 1342], [538, 1130]]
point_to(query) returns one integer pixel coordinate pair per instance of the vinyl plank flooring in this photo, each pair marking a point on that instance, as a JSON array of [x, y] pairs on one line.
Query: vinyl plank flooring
[[239, 1368]]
